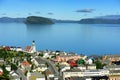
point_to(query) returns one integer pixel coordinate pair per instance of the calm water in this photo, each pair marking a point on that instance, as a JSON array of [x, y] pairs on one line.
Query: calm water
[[79, 38]]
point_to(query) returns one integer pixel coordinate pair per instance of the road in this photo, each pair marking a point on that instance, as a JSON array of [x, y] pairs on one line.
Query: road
[[51, 66], [20, 73]]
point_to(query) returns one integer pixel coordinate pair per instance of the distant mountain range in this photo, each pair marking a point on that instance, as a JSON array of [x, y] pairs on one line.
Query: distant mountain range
[[23, 20], [109, 19], [99, 21], [10, 20]]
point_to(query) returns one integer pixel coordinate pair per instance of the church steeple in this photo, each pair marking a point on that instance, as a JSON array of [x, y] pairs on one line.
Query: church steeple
[[33, 46]]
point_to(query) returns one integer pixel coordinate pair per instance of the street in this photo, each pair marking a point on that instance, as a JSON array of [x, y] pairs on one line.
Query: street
[[20, 73]]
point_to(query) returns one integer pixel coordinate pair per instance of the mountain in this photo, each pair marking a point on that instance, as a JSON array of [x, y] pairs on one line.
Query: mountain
[[99, 21], [9, 20], [23, 20], [38, 20], [110, 17]]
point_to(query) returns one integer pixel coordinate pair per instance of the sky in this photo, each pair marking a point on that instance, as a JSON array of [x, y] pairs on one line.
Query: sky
[[59, 9]]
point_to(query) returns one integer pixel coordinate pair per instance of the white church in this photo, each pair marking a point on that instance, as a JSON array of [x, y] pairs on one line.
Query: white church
[[30, 49]]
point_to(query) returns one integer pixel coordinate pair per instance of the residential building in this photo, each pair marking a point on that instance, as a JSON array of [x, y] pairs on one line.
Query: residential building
[[36, 76], [111, 58], [87, 73], [65, 58], [91, 67], [14, 76], [1, 71], [26, 65], [40, 64], [8, 67], [81, 67], [19, 49], [114, 72]]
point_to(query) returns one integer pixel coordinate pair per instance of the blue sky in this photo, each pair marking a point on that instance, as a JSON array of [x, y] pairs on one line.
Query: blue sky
[[59, 9]]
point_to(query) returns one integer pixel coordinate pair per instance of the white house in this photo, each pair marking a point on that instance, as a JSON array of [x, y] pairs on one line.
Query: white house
[[41, 65], [91, 67], [14, 75], [19, 49], [8, 68], [36, 76], [81, 67]]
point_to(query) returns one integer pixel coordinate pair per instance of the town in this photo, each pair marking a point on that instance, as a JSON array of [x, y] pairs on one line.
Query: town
[[30, 64]]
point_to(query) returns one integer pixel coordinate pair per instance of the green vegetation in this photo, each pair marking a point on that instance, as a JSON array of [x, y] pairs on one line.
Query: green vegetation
[[4, 77], [80, 61], [99, 65], [13, 67], [38, 20]]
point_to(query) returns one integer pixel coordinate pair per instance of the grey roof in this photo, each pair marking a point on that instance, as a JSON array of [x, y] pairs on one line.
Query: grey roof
[[112, 66], [37, 74], [40, 61], [91, 65]]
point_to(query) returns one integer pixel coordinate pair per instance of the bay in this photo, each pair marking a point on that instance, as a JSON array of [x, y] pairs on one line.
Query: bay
[[70, 37]]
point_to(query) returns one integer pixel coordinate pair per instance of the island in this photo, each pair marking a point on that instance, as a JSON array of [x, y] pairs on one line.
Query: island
[[38, 20]]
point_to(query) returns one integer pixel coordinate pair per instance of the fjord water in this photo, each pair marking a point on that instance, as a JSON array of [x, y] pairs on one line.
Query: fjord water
[[70, 37]]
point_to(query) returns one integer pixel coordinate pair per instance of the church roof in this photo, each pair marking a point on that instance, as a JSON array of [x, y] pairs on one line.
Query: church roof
[[27, 49]]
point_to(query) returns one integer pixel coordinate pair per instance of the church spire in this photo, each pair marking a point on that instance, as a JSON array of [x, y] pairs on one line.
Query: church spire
[[33, 46]]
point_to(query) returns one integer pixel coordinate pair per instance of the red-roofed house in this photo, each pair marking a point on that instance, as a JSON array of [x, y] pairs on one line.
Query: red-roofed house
[[1, 71], [7, 48], [26, 65]]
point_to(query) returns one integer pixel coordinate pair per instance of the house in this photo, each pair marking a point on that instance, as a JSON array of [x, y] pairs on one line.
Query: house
[[47, 73], [111, 58], [64, 68], [72, 62], [65, 58], [93, 74], [42, 68], [1, 71], [14, 76], [91, 67], [114, 72], [19, 49], [7, 48], [26, 65], [8, 67], [90, 61], [36, 76], [13, 48], [81, 67], [114, 77], [40, 64]]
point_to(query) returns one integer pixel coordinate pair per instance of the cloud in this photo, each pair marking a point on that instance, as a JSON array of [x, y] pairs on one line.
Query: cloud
[[3, 14], [85, 10], [17, 13], [37, 12], [50, 13], [29, 13]]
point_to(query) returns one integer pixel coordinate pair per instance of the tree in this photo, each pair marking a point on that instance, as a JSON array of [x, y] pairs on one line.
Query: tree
[[80, 61], [4, 70], [46, 64], [13, 67], [99, 65]]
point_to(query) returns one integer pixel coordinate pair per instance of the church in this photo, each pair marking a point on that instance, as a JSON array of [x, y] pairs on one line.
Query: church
[[30, 49]]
